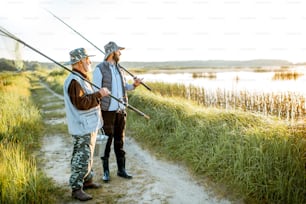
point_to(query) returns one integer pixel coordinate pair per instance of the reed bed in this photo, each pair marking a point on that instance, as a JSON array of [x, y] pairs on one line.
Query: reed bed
[[255, 156], [20, 129], [210, 75], [287, 75], [285, 105]]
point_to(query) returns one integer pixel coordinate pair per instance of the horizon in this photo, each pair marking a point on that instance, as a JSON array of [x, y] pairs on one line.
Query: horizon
[[209, 60]]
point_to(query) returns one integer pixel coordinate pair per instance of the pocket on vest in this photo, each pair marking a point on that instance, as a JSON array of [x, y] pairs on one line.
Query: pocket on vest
[[90, 121]]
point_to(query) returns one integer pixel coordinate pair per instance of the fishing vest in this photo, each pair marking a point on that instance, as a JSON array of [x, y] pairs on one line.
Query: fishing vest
[[81, 122], [107, 82]]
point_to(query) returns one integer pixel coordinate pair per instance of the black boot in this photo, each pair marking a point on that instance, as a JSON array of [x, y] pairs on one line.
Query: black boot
[[105, 177], [121, 168]]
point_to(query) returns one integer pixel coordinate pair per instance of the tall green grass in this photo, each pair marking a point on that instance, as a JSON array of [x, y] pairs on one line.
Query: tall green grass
[[53, 78], [20, 129], [256, 156], [20, 120], [20, 182]]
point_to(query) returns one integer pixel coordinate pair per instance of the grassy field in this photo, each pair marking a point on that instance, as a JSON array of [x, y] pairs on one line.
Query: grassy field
[[20, 130], [54, 78], [256, 157]]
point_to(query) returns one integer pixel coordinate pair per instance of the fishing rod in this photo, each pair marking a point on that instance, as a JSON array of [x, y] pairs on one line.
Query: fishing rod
[[134, 77], [8, 34]]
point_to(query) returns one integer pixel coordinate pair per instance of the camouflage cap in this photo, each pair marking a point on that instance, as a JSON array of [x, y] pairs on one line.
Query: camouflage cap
[[110, 48], [77, 55]]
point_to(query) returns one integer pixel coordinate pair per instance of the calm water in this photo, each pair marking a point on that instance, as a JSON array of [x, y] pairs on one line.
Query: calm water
[[250, 81]]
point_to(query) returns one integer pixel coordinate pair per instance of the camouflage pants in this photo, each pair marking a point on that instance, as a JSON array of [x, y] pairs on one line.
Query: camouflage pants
[[82, 159]]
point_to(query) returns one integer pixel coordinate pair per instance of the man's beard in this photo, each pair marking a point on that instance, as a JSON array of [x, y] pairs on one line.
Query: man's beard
[[116, 58], [87, 68]]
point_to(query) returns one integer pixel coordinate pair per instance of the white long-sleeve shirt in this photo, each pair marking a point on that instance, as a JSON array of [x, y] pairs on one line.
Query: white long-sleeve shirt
[[116, 86]]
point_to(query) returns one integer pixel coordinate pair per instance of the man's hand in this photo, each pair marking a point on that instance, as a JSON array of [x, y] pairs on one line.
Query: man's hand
[[137, 82], [104, 91]]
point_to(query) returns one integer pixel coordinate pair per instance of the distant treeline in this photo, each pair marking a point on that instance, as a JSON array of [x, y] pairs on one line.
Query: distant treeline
[[7, 65], [12, 65]]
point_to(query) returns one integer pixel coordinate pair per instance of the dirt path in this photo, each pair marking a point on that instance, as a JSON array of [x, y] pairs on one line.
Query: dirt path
[[154, 181]]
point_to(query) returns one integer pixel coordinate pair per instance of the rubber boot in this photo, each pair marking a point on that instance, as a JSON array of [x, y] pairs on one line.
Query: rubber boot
[[105, 176], [121, 168]]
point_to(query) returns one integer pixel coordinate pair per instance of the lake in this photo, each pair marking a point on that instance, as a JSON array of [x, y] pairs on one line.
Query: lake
[[237, 80]]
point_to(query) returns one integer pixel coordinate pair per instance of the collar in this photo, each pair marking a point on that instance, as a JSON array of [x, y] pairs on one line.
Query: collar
[[81, 73]]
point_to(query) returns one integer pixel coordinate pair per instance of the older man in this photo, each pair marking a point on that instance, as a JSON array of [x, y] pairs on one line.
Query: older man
[[84, 119]]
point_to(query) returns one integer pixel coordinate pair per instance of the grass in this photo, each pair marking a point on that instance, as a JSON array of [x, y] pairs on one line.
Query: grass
[[54, 79], [49, 112], [286, 105], [20, 129], [20, 180], [258, 156], [20, 119]]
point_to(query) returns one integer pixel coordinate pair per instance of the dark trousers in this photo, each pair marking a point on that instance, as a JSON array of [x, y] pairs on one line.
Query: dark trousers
[[114, 128]]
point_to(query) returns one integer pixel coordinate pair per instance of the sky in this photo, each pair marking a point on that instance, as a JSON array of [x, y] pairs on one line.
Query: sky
[[158, 30]]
